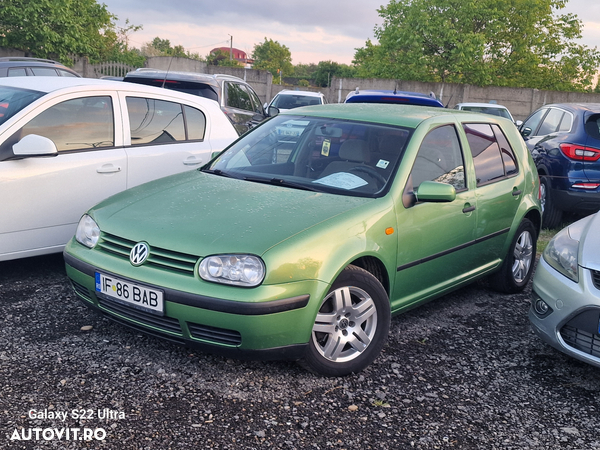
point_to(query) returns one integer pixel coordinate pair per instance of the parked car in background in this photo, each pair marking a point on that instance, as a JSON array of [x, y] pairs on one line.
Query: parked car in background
[[564, 140], [565, 303], [236, 98], [396, 97], [290, 99], [303, 247], [67, 143], [11, 66], [488, 108]]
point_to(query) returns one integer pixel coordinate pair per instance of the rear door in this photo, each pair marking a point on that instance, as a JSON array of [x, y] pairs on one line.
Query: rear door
[[165, 137]]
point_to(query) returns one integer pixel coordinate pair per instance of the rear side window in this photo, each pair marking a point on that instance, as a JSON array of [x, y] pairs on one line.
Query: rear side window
[[493, 157], [44, 71], [17, 72], [154, 121]]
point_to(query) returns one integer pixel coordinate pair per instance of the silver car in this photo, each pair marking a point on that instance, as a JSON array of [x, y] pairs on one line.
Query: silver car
[[565, 304]]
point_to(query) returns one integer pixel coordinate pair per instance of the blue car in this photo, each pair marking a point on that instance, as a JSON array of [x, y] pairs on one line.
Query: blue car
[[400, 97], [564, 140]]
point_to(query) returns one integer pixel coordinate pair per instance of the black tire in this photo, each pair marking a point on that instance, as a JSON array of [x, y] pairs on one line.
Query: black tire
[[551, 215], [517, 267], [355, 315]]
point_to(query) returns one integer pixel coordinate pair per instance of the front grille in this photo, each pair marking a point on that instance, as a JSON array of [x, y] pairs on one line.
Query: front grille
[[216, 335], [158, 257], [166, 324], [596, 278], [581, 340]]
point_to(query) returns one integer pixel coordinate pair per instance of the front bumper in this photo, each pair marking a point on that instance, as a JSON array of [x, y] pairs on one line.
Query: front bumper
[[573, 320], [244, 328]]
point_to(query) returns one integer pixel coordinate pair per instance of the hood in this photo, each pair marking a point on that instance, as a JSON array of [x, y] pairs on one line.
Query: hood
[[202, 214], [590, 244]]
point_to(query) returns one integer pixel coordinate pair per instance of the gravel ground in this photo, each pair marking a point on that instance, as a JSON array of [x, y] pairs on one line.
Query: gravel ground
[[463, 371]]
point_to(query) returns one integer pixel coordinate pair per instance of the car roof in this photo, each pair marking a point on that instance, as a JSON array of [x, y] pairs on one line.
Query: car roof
[[389, 114], [305, 93], [53, 84], [482, 105], [182, 76], [593, 107], [388, 96]]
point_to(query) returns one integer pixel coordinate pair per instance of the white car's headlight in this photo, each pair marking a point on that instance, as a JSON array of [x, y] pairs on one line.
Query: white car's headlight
[[87, 232], [562, 254], [239, 270]]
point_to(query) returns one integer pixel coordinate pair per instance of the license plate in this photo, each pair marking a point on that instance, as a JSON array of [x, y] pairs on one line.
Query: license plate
[[140, 297]]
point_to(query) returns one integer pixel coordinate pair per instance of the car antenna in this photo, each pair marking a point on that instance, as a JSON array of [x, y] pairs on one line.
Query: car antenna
[[167, 73], [396, 88], [449, 100]]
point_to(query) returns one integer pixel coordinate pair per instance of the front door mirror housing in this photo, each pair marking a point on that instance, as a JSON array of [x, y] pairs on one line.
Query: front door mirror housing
[[34, 145]]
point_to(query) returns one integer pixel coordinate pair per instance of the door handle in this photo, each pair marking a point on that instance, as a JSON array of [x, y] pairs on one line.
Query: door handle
[[516, 192], [108, 168], [468, 209], [192, 161]]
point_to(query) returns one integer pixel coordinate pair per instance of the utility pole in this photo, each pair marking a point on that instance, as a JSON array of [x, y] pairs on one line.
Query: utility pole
[[231, 48]]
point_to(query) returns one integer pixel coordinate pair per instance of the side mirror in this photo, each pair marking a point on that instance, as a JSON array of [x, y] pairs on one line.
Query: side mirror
[[518, 123], [525, 132], [432, 191], [273, 111], [34, 145]]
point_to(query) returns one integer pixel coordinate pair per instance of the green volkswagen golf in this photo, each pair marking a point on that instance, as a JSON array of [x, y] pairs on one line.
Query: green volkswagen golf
[[305, 236]]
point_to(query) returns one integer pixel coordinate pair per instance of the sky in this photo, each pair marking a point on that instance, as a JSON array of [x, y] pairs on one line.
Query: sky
[[313, 30]]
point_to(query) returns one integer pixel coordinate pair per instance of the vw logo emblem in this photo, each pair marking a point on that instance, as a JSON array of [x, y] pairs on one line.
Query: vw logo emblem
[[139, 253]]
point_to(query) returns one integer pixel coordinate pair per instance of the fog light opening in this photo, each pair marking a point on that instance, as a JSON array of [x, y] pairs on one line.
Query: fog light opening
[[541, 307]]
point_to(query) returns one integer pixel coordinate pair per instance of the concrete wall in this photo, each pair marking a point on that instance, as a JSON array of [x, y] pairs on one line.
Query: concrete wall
[[520, 101]]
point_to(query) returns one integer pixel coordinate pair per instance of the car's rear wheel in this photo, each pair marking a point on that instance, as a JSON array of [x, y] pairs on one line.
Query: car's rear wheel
[[517, 267], [551, 215], [351, 326]]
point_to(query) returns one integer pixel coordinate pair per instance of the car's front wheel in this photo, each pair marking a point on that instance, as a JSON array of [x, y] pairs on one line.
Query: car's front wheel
[[517, 267], [351, 326]]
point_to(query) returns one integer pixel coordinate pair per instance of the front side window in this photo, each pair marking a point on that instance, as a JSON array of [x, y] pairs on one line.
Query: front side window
[[551, 122], [78, 124], [533, 121], [44, 71], [439, 159], [154, 121], [237, 97]]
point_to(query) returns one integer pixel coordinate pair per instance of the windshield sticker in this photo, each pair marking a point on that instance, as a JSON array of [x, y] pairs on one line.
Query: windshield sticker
[[382, 164], [325, 147], [342, 180]]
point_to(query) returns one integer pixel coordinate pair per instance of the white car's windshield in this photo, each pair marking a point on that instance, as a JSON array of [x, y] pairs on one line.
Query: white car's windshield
[[329, 155]]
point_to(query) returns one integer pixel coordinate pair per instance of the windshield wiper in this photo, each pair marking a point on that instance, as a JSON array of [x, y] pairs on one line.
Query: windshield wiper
[[282, 182], [221, 173]]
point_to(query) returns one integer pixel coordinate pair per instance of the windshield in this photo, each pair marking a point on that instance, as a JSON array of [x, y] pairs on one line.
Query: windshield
[[291, 101], [13, 100], [489, 110], [321, 154]]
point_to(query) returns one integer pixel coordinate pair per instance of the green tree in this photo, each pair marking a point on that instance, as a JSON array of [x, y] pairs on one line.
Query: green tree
[[118, 46], [329, 69], [520, 43], [56, 28], [221, 58], [274, 57]]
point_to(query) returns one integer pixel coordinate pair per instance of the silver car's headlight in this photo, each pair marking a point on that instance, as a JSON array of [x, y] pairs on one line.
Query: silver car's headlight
[[238, 270], [562, 254], [87, 232]]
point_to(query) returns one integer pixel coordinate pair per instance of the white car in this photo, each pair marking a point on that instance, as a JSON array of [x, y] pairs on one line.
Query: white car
[[68, 143], [488, 108], [290, 99]]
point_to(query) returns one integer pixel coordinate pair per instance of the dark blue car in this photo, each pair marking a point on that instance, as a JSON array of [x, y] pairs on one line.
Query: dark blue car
[[564, 140], [400, 97]]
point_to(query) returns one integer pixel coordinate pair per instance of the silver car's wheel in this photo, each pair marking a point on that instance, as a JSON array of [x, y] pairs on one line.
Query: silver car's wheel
[[351, 325], [345, 325]]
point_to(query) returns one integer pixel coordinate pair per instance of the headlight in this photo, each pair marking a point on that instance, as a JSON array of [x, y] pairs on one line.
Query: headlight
[[239, 270], [561, 253], [87, 232]]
